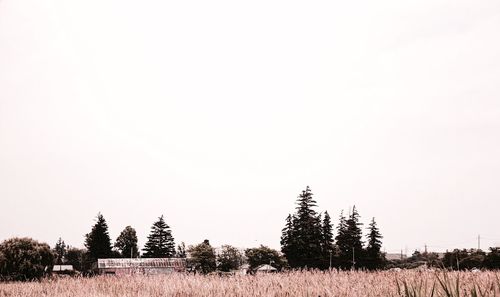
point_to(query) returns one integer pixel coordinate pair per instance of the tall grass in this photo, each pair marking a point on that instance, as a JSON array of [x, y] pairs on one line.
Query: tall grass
[[451, 284], [306, 283]]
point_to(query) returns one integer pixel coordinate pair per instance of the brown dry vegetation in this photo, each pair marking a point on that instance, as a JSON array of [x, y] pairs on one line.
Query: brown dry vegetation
[[333, 283]]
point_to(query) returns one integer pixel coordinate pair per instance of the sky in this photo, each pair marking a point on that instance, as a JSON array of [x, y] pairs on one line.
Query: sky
[[217, 114]]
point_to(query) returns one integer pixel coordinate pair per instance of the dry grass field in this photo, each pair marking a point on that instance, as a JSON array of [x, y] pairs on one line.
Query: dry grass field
[[355, 284]]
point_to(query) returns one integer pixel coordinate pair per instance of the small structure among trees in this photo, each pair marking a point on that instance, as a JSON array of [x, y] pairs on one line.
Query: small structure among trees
[[148, 266], [63, 269], [265, 268]]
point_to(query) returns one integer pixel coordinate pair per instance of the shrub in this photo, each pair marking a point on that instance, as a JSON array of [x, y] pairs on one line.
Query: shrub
[[203, 257], [24, 259]]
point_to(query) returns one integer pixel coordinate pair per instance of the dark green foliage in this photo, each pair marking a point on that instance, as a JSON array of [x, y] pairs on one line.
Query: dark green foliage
[[349, 241], [492, 260], [79, 259], [327, 232], [229, 258], [126, 243], [327, 239], [181, 251], [288, 244], [24, 259], [354, 238], [354, 231], [307, 241], [374, 258], [202, 257], [426, 258], [343, 248], [265, 255], [464, 259], [160, 242], [97, 242], [302, 236], [60, 252]]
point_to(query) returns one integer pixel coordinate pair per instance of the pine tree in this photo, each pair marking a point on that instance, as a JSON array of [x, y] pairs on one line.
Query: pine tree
[[327, 236], [343, 247], [287, 236], [181, 251], [126, 243], [97, 242], [354, 237], [60, 252], [374, 257], [160, 242], [327, 233], [302, 236]]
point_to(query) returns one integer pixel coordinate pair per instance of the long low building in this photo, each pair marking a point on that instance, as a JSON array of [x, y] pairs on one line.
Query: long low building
[[148, 266]]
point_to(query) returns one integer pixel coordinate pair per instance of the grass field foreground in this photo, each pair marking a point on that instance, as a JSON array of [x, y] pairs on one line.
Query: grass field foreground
[[306, 283]]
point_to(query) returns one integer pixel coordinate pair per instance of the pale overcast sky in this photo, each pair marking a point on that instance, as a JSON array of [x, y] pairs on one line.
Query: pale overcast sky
[[217, 114]]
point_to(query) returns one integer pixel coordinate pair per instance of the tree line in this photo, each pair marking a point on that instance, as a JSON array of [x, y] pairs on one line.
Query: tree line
[[160, 244], [457, 259], [308, 241]]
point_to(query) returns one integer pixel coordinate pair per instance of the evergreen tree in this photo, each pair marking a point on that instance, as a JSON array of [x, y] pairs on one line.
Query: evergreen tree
[[327, 236], [287, 237], [373, 255], [60, 252], [327, 232], [181, 251], [160, 242], [354, 238], [343, 248], [97, 242], [302, 242], [126, 243]]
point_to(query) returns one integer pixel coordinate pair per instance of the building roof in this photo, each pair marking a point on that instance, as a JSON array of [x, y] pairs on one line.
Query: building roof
[[266, 267], [62, 268], [141, 262], [395, 256], [245, 266]]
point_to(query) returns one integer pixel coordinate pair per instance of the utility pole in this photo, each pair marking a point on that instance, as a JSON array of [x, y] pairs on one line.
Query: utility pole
[[353, 261], [478, 242], [330, 260]]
